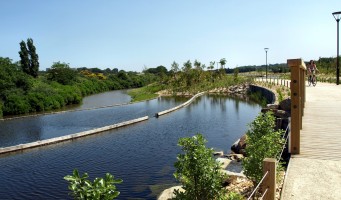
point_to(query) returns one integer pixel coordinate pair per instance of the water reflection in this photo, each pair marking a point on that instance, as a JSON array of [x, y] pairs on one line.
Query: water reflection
[[142, 155]]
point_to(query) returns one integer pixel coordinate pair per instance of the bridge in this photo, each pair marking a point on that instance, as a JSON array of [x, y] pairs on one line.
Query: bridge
[[315, 172], [314, 169]]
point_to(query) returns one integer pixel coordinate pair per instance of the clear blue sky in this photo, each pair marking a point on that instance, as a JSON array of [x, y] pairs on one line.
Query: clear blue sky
[[131, 34]]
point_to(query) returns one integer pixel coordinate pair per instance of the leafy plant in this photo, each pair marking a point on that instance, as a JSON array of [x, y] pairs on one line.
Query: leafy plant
[[100, 188], [262, 142], [198, 172]]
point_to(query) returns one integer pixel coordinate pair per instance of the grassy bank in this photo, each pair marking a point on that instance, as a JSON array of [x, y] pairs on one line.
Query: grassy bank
[[145, 93]]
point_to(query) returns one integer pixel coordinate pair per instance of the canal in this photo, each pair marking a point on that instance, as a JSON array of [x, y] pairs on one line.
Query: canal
[[142, 154]]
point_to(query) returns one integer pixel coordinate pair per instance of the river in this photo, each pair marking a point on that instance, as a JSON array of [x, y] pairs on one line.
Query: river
[[142, 154]]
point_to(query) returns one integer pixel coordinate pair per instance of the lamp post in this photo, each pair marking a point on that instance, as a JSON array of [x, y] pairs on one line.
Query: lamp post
[[266, 61], [337, 16]]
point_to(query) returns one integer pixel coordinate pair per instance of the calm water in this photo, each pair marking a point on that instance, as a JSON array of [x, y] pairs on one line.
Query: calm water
[[142, 155]]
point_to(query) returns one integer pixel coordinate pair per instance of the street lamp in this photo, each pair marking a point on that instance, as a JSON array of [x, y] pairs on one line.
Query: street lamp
[[266, 61], [337, 16]]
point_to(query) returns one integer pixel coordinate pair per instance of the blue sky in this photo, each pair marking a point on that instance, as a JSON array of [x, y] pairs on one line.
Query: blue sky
[[133, 34]]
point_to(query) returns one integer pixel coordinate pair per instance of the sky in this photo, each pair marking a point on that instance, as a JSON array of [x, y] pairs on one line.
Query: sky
[[136, 34]]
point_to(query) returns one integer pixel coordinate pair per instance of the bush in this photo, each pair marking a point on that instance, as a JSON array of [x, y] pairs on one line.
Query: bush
[[16, 103], [100, 188], [1, 106], [262, 142], [198, 172]]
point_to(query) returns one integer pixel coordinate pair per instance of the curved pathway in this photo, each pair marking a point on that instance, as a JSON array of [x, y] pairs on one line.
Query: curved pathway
[[316, 172]]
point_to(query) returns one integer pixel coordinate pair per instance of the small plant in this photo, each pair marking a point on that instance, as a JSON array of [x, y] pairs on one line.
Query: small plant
[[101, 188], [198, 172], [262, 142], [280, 94]]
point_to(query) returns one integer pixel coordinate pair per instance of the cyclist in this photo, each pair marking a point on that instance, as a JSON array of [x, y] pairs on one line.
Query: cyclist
[[312, 69]]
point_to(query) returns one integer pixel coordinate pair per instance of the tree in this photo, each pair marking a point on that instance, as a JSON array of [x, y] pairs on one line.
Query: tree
[[62, 73], [211, 66], [101, 188], [34, 63], [222, 62], [262, 142], [175, 67], [197, 65], [24, 58], [187, 66], [198, 172], [29, 58]]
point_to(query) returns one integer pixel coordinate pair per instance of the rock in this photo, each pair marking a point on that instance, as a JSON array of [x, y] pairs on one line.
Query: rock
[[224, 161], [238, 157], [285, 105], [234, 147], [218, 153], [169, 193], [281, 114], [272, 106], [264, 110]]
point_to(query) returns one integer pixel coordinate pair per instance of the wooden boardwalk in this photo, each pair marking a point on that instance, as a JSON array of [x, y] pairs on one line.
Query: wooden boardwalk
[[315, 173]]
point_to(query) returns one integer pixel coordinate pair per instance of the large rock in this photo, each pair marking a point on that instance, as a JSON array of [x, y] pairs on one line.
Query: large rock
[[240, 145], [169, 193], [285, 105], [281, 114]]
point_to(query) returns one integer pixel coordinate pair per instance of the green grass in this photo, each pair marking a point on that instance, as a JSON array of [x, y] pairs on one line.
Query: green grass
[[144, 93]]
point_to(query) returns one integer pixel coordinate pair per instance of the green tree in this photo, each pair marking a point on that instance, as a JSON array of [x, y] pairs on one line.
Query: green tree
[[34, 63], [24, 58], [175, 67], [29, 58], [99, 189], [222, 62], [262, 142], [187, 66], [198, 172], [211, 66], [61, 73]]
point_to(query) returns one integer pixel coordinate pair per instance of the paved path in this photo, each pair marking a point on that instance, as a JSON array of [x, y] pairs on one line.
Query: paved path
[[316, 172]]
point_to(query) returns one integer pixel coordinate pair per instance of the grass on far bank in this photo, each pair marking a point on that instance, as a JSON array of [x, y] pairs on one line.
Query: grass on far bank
[[145, 93]]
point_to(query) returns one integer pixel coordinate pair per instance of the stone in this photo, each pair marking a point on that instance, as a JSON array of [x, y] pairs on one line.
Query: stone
[[169, 193], [224, 162], [239, 144], [272, 106], [218, 153], [281, 114], [285, 105]]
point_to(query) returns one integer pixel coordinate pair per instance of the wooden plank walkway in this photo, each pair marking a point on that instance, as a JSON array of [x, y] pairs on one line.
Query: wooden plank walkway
[[316, 172]]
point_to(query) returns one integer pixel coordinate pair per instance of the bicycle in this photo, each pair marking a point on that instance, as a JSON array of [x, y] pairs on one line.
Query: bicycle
[[312, 79]]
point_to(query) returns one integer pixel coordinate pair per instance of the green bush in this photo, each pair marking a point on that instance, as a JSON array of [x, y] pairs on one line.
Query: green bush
[[100, 188], [262, 142], [198, 172], [1, 106], [16, 103]]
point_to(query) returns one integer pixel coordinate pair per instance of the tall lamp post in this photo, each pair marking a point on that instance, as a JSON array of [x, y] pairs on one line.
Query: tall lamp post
[[337, 16], [266, 61]]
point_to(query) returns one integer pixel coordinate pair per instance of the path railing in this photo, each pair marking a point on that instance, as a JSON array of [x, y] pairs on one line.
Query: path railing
[[268, 182]]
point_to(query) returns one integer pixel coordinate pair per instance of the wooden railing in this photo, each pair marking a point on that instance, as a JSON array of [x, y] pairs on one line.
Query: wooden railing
[[297, 86], [298, 98]]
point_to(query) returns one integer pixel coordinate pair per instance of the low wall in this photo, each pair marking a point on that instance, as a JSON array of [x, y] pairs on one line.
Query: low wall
[[266, 93], [69, 137], [180, 106]]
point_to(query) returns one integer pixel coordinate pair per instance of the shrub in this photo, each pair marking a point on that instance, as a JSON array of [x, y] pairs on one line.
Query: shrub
[[100, 188], [198, 172], [262, 142], [1, 106]]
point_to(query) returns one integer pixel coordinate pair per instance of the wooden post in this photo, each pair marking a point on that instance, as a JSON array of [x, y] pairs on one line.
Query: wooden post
[[296, 103], [269, 183]]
